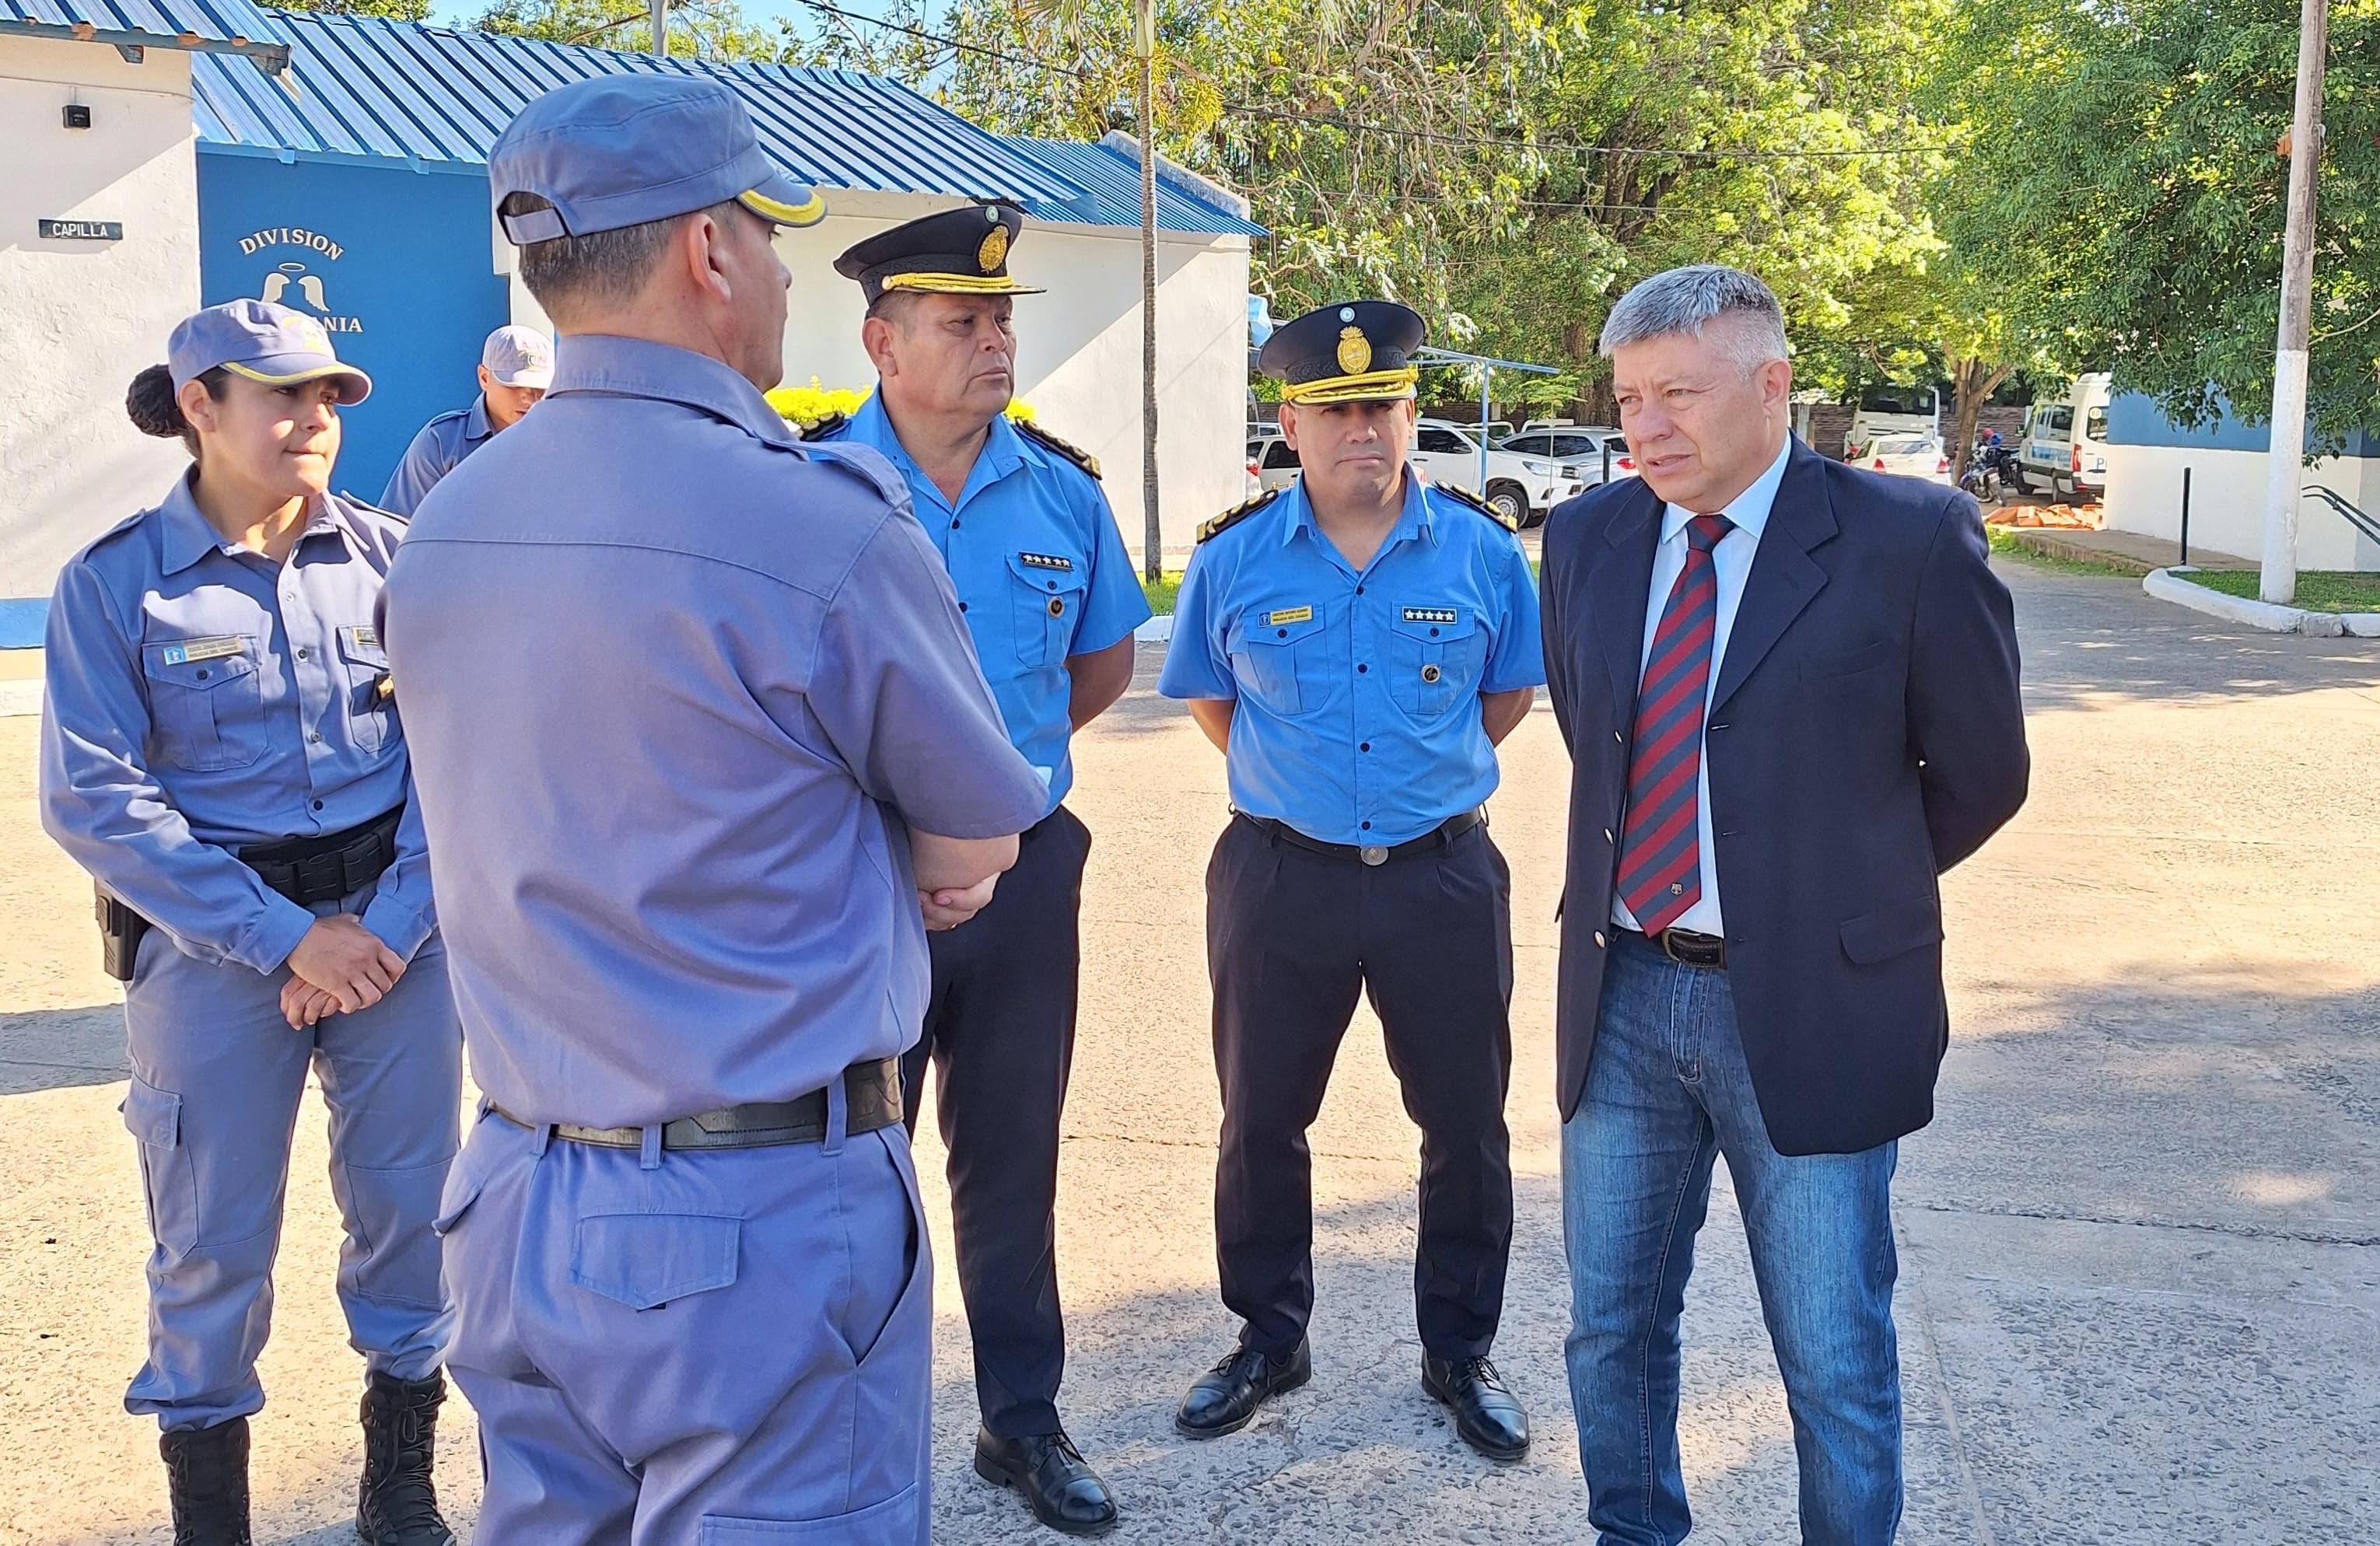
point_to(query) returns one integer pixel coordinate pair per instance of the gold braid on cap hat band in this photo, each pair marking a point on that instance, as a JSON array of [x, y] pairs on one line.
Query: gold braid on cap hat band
[[1376, 386], [953, 284]]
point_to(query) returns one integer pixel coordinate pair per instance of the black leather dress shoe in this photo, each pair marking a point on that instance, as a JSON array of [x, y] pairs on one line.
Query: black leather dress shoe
[[1225, 1398], [1059, 1485], [1487, 1413]]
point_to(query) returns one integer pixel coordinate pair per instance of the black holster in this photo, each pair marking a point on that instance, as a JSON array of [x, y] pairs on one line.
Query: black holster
[[120, 929]]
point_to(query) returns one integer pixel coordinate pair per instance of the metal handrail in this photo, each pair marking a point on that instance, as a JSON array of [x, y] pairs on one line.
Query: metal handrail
[[2347, 511]]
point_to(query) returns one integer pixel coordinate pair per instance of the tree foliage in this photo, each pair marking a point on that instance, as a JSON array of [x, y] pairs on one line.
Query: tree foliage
[[697, 28], [2123, 163], [389, 10]]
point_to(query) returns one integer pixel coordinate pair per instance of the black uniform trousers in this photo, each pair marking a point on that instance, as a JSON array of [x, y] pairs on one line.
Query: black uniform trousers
[[1000, 1030], [1292, 935]]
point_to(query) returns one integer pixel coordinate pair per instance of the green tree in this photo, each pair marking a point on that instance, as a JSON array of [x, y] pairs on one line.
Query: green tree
[[2131, 150], [390, 10], [716, 30]]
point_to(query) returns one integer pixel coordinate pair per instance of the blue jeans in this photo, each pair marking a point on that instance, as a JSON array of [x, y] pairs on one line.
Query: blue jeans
[[1667, 1091]]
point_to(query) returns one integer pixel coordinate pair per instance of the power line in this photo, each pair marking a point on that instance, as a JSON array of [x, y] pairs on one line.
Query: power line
[[1355, 126]]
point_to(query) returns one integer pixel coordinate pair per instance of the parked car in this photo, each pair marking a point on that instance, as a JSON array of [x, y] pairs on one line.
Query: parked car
[[1910, 456], [1580, 444], [1522, 488], [2064, 447], [1889, 410]]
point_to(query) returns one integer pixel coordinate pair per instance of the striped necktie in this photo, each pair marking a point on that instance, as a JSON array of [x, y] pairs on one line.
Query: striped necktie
[[1660, 848]]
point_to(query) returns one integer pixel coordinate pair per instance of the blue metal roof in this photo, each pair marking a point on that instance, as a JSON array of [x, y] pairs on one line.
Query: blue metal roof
[[435, 98], [201, 26], [1111, 181]]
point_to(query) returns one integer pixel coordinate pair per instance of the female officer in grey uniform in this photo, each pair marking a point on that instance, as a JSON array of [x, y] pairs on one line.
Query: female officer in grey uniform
[[221, 751]]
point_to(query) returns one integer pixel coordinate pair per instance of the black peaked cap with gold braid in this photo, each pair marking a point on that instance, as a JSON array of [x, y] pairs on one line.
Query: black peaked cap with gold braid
[[1347, 352], [958, 252]]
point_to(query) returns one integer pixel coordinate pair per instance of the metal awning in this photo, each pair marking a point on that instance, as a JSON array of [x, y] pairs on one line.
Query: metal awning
[[191, 26]]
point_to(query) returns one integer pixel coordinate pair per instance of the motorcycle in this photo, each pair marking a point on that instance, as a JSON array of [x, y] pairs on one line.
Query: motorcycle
[[1988, 472]]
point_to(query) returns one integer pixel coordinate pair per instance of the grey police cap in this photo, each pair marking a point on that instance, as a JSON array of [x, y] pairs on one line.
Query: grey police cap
[[624, 150]]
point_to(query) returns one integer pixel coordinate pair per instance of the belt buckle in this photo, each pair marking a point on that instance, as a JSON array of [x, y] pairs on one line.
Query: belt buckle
[[1374, 855]]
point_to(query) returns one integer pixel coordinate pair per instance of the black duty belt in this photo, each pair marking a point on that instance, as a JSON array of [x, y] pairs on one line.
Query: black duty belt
[[1438, 837], [1705, 952], [324, 869], [871, 1100]]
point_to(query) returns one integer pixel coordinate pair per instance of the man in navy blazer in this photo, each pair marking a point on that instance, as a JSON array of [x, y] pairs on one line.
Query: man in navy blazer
[[1790, 689]]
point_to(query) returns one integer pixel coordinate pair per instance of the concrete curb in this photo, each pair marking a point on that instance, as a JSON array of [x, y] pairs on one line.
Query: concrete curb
[[20, 699], [2167, 585], [1156, 630]]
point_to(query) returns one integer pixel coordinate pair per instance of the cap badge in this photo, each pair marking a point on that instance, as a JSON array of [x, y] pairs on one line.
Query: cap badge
[[994, 250], [1355, 351]]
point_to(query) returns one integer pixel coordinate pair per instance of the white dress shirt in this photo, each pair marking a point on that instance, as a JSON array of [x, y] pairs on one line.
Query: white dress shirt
[[1731, 563]]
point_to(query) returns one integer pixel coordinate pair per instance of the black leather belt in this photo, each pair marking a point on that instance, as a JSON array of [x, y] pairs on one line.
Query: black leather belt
[[324, 869], [871, 1100], [1707, 952], [1438, 837]]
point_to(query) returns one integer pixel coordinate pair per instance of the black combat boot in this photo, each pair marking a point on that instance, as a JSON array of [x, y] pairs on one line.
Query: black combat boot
[[207, 1470], [396, 1502]]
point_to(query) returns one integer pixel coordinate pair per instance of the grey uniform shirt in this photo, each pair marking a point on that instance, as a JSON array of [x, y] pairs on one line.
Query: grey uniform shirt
[[676, 687]]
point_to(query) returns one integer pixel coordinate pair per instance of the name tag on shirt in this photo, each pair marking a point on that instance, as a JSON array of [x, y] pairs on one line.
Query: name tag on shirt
[[1289, 614], [1047, 561], [1429, 614], [200, 649]]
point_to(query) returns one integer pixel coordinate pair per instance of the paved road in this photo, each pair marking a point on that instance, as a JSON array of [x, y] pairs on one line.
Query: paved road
[[2140, 1246]]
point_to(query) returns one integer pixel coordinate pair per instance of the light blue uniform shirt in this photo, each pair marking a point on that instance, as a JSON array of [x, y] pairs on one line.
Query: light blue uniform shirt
[[1358, 717], [202, 699], [677, 687], [438, 450], [1040, 571]]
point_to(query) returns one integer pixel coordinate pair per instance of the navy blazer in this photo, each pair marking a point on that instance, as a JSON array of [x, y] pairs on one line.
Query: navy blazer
[[1867, 735]]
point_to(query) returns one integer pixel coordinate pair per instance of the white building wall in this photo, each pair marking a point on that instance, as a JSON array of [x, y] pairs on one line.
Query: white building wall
[[1078, 347], [2227, 502], [79, 320]]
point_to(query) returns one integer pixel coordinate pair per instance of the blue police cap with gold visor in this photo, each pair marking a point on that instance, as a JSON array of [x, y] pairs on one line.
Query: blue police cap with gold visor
[[958, 252], [1347, 352]]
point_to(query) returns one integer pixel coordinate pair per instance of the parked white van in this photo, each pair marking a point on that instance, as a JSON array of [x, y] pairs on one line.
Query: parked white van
[[2064, 448], [1895, 412]]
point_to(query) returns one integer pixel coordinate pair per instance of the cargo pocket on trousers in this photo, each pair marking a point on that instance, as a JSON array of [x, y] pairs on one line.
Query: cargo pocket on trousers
[[894, 1522], [644, 1260], [170, 1187]]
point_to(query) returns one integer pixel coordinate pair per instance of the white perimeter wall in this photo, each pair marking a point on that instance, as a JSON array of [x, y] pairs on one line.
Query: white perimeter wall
[[1078, 348], [78, 319], [2227, 502]]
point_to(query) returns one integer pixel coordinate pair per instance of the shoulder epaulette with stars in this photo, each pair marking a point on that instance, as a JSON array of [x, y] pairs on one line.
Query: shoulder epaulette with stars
[[1048, 441], [824, 427], [1237, 513], [1465, 496]]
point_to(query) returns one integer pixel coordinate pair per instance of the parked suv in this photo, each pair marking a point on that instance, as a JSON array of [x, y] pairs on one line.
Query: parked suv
[[1522, 488]]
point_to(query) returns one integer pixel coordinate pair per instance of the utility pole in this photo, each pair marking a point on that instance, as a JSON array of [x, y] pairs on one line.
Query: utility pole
[[2284, 462], [1144, 35], [661, 27]]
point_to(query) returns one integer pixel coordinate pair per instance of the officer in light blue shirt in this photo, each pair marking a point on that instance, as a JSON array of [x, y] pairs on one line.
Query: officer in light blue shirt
[[221, 751], [515, 367], [699, 704], [1357, 645], [1051, 601]]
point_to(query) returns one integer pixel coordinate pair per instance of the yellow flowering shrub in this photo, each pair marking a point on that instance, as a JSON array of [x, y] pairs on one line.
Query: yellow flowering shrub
[[805, 405]]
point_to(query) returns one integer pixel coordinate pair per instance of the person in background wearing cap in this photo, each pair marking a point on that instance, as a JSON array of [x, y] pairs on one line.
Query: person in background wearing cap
[[219, 749], [1051, 601], [1356, 646], [697, 701], [515, 367]]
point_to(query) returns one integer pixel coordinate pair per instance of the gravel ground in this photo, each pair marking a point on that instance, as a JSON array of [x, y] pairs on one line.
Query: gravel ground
[[2140, 1286]]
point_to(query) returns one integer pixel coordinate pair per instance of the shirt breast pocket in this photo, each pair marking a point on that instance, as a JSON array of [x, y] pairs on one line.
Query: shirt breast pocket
[[1049, 589], [1280, 663], [1435, 658], [206, 712], [363, 661]]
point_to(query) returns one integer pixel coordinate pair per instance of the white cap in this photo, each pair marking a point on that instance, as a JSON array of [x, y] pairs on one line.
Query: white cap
[[518, 356]]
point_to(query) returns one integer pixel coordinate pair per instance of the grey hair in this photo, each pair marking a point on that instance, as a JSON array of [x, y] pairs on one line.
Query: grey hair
[[1689, 300], [601, 267]]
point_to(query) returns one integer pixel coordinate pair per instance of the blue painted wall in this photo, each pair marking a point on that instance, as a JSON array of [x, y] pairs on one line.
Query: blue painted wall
[[396, 262], [2135, 419]]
